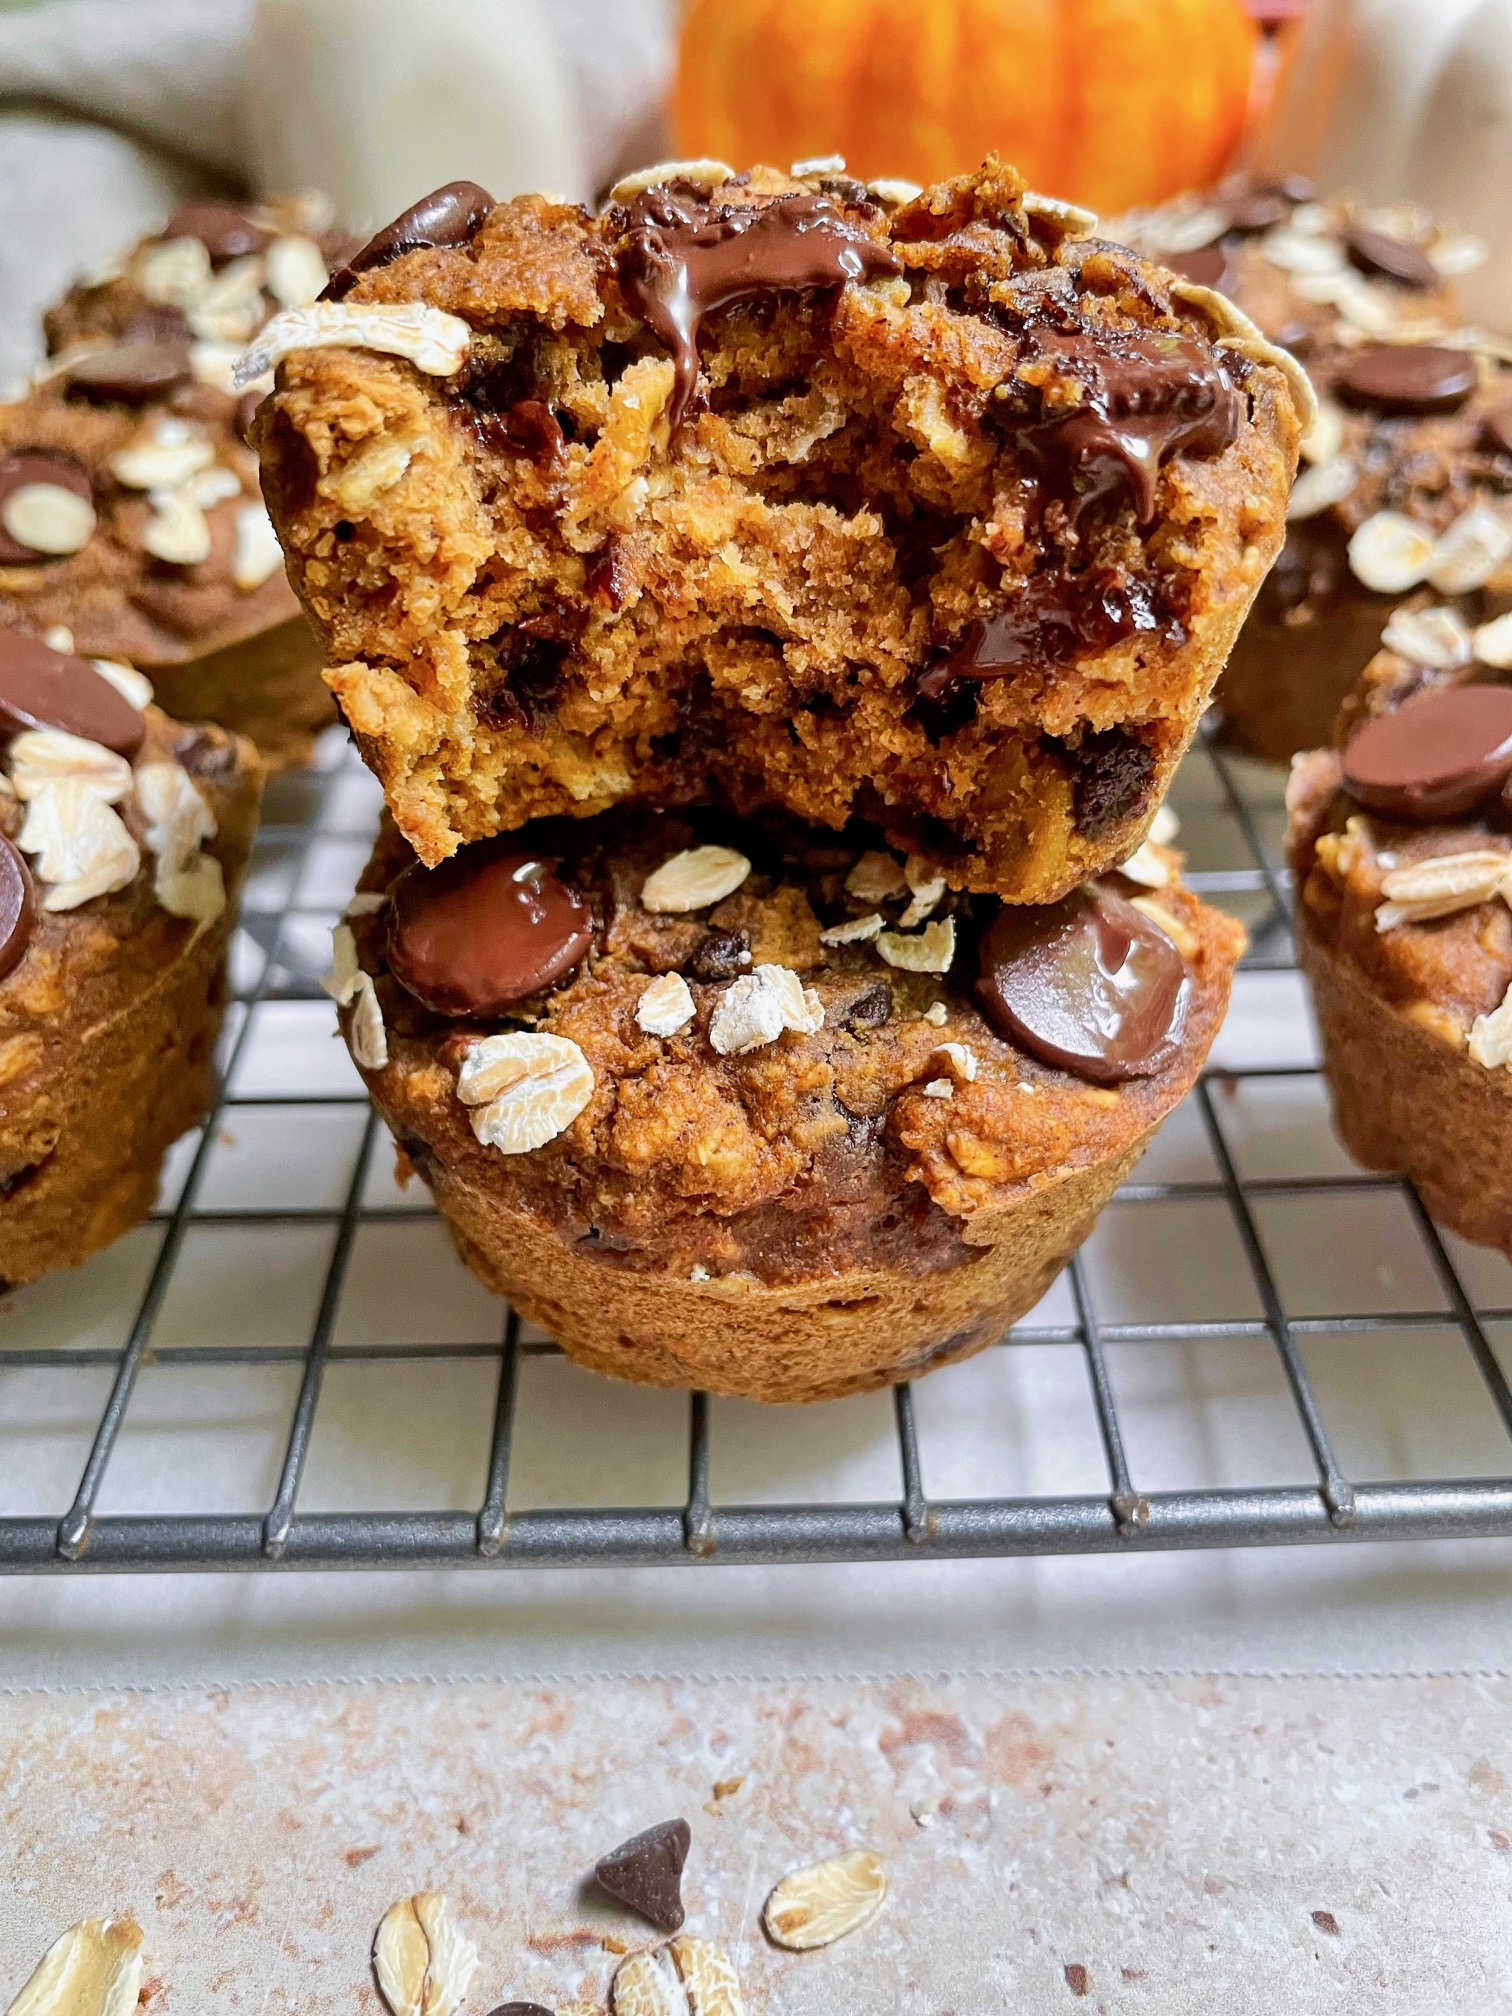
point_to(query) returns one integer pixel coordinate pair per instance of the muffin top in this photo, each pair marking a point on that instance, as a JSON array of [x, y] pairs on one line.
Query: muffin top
[[927, 508]]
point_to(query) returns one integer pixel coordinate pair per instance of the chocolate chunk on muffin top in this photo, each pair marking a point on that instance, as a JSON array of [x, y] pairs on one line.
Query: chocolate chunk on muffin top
[[776, 492]]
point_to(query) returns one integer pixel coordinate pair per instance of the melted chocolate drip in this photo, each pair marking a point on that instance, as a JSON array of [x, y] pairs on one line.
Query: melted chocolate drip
[[1050, 619], [43, 688], [1146, 398], [685, 256], [448, 216], [17, 907], [486, 929], [1088, 984], [1437, 757], [37, 465]]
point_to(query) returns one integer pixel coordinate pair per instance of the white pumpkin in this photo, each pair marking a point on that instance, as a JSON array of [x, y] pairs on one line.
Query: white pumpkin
[[1393, 99]]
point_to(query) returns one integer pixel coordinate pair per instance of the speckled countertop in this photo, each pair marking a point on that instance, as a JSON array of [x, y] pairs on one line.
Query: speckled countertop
[[1134, 1844]]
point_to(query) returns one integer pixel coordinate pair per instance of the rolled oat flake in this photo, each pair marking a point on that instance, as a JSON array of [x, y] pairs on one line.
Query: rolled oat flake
[[1402, 378], [17, 907], [486, 929], [1088, 984], [43, 688], [1435, 758], [21, 472]]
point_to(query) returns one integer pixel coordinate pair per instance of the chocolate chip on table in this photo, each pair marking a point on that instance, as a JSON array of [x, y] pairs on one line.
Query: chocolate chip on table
[[225, 230], [721, 956], [43, 688], [645, 1872], [519, 2009], [1088, 984], [1398, 378], [130, 372], [1436, 757], [1386, 258], [447, 216], [19, 472], [490, 927], [17, 907]]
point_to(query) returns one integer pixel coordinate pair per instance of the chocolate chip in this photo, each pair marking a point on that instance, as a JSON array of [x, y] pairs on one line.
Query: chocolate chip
[[1208, 266], [1111, 772], [43, 688], [447, 216], [225, 231], [870, 1009], [519, 2009], [721, 956], [17, 907], [1407, 377], [645, 1872], [1259, 211], [36, 465], [1438, 756], [531, 428], [1386, 258], [130, 372], [1088, 984], [490, 927]]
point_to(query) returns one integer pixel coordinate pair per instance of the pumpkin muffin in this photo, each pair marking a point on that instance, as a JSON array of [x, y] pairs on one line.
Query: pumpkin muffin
[[158, 549], [1401, 845], [767, 1109], [123, 838], [1414, 425], [778, 492]]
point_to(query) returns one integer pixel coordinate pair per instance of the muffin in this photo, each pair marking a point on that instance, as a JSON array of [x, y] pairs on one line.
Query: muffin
[[778, 493], [123, 838], [766, 1109], [1401, 845], [1415, 424], [160, 553]]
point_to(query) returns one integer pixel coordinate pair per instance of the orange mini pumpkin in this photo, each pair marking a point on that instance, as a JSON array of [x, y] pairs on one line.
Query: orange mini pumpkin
[[1108, 102]]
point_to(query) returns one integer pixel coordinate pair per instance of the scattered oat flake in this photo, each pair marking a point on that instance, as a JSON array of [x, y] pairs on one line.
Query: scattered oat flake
[[708, 1976], [132, 685], [1321, 486], [432, 340], [928, 951], [666, 1006], [961, 1058], [1390, 554], [41, 756], [1442, 886], [1492, 643], [876, 878], [258, 555], [755, 1009], [423, 1964], [854, 931], [1185, 940], [1470, 551], [526, 1086], [927, 888], [694, 879], [937, 1013], [1491, 1035], [49, 518], [367, 1037], [822, 1903], [92, 1969], [1147, 866], [1165, 826], [939, 1088], [82, 847], [1438, 638]]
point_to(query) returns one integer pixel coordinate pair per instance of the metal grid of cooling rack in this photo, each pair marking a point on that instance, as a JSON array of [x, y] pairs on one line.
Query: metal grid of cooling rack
[[1232, 842]]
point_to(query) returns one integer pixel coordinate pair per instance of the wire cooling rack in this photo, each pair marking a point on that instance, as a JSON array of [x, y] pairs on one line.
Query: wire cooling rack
[[1260, 1345]]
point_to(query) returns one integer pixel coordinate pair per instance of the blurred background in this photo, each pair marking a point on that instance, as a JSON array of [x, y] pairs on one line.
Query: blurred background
[[111, 111]]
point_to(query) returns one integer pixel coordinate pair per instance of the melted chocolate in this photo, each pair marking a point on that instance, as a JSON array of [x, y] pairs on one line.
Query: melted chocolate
[[1386, 258], [1088, 984], [43, 688], [225, 231], [684, 257], [17, 907], [1146, 398], [130, 372], [1048, 621], [36, 466], [1436, 757], [1405, 378], [486, 929], [448, 216]]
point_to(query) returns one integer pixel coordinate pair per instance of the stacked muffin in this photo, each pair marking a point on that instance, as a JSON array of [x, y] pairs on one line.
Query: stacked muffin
[[774, 608], [1403, 503]]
